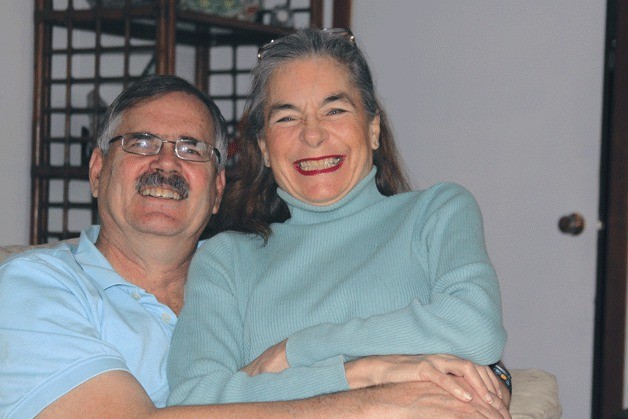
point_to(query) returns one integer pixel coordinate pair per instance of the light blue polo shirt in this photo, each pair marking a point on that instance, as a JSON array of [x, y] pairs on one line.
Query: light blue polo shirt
[[67, 316]]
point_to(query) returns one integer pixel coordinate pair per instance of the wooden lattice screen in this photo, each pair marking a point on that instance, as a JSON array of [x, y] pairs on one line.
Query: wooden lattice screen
[[87, 52]]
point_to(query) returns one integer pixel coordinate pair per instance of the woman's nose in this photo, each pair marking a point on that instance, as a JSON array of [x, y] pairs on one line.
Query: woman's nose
[[313, 133]]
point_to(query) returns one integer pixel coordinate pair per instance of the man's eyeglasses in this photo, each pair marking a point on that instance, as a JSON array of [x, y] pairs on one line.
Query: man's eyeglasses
[[341, 32], [147, 144]]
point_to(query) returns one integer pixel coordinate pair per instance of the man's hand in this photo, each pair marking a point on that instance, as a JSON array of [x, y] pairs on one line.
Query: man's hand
[[438, 369], [272, 360]]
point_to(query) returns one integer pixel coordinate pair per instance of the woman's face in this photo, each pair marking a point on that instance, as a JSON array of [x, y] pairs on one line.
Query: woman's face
[[318, 139]]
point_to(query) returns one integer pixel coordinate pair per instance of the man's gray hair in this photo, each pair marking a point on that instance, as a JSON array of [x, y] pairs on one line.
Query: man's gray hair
[[152, 87]]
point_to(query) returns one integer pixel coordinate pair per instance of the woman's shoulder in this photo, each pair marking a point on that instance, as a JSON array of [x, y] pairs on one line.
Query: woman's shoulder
[[227, 259], [229, 242], [437, 202], [436, 195]]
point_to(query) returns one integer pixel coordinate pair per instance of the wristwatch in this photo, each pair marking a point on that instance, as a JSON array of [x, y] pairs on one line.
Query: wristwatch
[[502, 373]]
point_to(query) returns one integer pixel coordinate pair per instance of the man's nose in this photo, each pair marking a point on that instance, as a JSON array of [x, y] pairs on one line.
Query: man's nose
[[167, 158]]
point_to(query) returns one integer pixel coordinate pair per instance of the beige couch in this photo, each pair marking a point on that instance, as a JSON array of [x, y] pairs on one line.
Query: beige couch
[[535, 392]]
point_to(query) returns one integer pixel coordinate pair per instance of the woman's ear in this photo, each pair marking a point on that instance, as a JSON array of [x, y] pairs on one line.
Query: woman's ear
[[374, 128], [220, 181], [261, 142]]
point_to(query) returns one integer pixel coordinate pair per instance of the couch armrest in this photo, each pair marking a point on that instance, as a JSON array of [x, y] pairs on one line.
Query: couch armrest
[[534, 395]]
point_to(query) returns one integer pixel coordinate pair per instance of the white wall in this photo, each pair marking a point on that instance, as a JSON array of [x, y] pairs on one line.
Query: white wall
[[16, 32], [505, 97], [16, 97]]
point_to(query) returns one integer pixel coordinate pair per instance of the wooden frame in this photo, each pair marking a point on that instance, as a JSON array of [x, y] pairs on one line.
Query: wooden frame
[[161, 26], [610, 323]]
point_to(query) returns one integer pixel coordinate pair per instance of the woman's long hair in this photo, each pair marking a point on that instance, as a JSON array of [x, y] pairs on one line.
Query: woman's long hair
[[250, 203]]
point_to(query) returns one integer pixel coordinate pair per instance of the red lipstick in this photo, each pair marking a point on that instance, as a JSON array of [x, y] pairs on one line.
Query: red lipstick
[[319, 165]]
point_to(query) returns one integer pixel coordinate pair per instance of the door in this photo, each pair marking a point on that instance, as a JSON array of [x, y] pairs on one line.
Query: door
[[505, 98]]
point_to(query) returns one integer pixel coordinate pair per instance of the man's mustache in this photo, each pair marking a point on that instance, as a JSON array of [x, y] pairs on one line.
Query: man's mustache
[[158, 179]]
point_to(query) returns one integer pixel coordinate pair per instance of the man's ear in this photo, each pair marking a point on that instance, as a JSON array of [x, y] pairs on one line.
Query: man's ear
[[95, 166], [221, 181]]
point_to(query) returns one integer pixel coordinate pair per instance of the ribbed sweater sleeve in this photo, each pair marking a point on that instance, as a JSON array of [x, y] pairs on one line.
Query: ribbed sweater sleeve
[[207, 349], [462, 314]]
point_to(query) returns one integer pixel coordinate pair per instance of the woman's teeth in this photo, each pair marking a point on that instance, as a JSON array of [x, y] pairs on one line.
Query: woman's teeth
[[308, 165]]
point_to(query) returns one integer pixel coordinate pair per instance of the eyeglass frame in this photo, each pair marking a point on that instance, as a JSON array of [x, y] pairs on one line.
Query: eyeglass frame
[[340, 32], [214, 150]]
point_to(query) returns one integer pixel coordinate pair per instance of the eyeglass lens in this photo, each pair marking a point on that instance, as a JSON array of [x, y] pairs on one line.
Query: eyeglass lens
[[146, 144]]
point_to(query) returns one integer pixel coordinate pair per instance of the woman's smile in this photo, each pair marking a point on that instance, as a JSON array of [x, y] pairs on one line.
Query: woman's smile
[[319, 139], [316, 166]]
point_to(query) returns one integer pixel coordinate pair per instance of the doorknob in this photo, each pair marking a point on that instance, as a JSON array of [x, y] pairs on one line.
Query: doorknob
[[571, 224]]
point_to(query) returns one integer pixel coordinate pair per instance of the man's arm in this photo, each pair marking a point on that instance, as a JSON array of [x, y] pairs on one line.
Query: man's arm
[[116, 394]]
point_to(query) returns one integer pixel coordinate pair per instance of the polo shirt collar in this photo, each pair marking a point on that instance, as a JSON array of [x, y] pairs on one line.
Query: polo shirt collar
[[94, 263]]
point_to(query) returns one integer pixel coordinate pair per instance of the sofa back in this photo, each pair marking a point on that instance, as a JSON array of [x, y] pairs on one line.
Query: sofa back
[[6, 251]]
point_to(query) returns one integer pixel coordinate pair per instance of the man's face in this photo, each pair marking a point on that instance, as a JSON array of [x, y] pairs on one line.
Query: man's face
[[126, 204]]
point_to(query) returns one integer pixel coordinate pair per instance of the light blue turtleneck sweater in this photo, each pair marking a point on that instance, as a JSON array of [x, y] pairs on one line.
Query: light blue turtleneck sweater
[[406, 274]]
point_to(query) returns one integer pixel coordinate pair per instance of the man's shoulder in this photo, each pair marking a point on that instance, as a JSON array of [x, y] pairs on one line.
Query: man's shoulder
[[51, 253], [11, 251], [63, 251], [53, 266]]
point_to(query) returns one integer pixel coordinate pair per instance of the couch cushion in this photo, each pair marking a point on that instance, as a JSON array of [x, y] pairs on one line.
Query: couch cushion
[[535, 395]]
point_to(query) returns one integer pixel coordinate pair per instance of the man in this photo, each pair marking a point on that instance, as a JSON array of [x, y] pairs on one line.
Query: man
[[85, 329]]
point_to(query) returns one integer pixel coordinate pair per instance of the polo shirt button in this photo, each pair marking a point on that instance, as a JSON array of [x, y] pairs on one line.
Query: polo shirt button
[[165, 317], [136, 295]]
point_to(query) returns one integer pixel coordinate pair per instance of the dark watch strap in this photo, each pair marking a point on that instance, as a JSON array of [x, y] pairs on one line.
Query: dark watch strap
[[502, 373]]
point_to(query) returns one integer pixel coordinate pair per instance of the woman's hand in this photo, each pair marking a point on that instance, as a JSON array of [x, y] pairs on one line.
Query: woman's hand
[[384, 369], [424, 400], [272, 360], [439, 369]]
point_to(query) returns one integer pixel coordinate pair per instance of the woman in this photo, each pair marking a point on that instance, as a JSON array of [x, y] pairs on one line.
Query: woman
[[330, 259]]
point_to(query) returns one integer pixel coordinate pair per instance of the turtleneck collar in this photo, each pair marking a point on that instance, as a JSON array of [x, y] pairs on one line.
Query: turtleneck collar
[[364, 194]]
